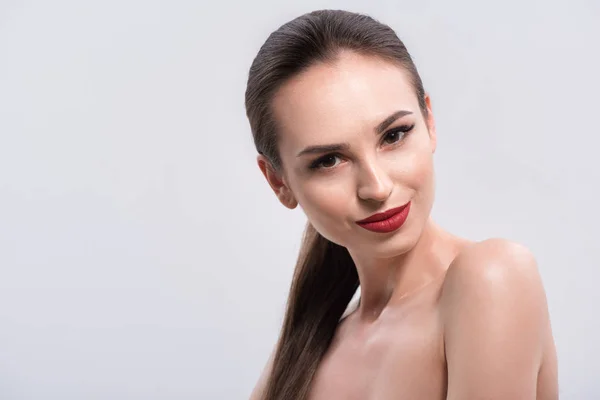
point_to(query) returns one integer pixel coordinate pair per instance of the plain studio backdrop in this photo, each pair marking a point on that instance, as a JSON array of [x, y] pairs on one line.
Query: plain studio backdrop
[[142, 253]]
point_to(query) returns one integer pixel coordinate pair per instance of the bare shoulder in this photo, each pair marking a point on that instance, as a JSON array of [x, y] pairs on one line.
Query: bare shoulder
[[496, 323], [497, 267], [488, 255]]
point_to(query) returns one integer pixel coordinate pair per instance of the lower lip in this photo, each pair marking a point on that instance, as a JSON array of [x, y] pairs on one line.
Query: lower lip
[[388, 225]]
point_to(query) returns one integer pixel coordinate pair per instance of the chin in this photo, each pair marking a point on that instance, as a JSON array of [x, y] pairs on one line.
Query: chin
[[385, 245]]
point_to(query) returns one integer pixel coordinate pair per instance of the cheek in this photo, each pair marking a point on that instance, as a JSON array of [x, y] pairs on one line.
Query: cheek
[[411, 170], [419, 172], [414, 163], [326, 205], [420, 178]]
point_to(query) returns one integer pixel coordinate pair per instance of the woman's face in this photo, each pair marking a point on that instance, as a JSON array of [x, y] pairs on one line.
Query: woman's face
[[372, 169]]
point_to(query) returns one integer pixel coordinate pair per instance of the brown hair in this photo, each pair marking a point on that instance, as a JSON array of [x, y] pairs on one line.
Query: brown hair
[[325, 276]]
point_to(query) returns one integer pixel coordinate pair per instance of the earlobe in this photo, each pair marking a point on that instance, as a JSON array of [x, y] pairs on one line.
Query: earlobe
[[288, 200], [277, 182]]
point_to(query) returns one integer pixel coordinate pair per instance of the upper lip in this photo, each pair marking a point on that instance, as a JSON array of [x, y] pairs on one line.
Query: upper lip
[[382, 215]]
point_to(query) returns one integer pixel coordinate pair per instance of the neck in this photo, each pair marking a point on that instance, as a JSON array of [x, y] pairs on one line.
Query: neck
[[385, 280]]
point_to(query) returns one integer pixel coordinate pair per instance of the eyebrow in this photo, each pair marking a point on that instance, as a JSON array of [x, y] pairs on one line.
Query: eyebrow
[[344, 146]]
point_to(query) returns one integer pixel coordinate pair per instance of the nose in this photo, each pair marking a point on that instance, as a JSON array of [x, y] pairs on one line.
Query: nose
[[374, 183]]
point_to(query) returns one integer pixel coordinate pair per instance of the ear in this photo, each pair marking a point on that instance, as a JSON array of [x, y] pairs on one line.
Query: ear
[[277, 182], [431, 124]]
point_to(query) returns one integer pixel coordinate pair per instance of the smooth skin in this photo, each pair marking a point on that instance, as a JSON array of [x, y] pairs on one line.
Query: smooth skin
[[440, 317]]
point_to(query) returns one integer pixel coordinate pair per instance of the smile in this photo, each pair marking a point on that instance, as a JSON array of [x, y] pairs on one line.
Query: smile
[[387, 221]]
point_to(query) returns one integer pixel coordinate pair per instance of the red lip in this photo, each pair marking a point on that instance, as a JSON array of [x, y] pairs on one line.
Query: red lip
[[387, 221], [383, 215]]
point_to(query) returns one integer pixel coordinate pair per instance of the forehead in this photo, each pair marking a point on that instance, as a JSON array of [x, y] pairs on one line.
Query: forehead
[[327, 102]]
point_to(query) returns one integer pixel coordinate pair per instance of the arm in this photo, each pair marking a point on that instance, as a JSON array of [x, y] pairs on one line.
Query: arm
[[495, 321]]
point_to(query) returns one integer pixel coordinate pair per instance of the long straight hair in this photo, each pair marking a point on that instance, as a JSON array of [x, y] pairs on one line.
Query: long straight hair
[[325, 276]]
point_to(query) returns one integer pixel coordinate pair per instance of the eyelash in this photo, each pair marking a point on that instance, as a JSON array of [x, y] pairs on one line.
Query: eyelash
[[404, 130]]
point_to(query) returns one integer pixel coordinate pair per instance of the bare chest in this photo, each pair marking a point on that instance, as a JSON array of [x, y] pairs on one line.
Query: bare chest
[[401, 359]]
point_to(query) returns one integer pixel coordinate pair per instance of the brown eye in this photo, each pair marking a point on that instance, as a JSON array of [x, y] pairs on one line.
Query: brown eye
[[325, 162], [397, 134], [392, 137], [328, 161]]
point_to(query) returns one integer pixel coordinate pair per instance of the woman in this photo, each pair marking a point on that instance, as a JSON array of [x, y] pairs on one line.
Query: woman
[[344, 128]]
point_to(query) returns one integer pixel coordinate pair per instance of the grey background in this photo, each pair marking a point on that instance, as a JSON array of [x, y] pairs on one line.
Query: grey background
[[142, 254]]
